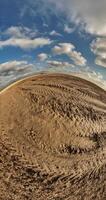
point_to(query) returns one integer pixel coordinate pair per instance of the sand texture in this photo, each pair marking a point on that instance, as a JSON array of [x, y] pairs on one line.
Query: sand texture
[[53, 139]]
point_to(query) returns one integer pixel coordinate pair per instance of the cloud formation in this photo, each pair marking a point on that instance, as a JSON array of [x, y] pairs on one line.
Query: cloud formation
[[68, 29], [14, 67], [12, 70], [69, 50], [22, 37], [98, 47], [55, 33], [25, 43], [42, 56], [90, 14], [87, 13], [55, 63], [20, 32]]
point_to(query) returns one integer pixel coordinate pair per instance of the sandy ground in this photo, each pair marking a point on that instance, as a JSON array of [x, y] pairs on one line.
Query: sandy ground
[[53, 139]]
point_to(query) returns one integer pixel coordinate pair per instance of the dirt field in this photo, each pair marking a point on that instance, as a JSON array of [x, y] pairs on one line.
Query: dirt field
[[53, 139]]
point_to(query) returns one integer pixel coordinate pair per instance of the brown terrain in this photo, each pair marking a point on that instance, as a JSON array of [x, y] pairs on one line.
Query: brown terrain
[[53, 139]]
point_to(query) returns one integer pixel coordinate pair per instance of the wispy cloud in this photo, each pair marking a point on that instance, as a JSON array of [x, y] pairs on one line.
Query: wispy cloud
[[89, 14], [55, 33], [20, 32], [55, 63]]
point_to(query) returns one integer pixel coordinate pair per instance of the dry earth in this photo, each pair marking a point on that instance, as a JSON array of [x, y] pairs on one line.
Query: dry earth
[[53, 139]]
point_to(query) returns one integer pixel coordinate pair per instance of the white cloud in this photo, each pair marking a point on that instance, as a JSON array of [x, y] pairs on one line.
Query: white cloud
[[25, 43], [55, 63], [45, 25], [90, 14], [68, 29], [63, 48], [100, 60], [11, 67], [42, 56], [12, 70], [14, 31], [20, 32], [22, 37], [77, 58], [69, 50], [54, 33], [98, 47]]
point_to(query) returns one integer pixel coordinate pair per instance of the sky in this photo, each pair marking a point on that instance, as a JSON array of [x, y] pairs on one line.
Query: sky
[[67, 36]]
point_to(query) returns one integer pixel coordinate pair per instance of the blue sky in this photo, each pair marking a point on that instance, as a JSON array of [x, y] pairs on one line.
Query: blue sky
[[49, 35]]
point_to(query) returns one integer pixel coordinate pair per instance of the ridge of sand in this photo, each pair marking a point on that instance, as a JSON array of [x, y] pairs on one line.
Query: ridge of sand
[[52, 139]]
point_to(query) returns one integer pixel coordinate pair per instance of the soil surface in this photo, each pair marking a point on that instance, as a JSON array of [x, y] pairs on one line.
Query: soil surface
[[53, 139]]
